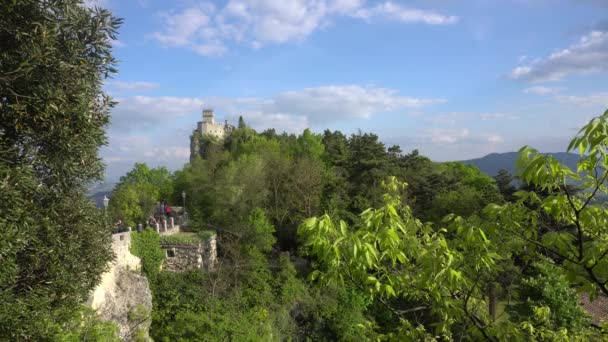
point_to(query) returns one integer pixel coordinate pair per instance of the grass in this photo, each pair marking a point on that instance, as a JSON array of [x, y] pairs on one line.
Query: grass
[[184, 238]]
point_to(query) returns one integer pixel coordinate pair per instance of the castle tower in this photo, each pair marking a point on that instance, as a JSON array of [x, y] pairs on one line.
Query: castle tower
[[208, 116], [207, 127]]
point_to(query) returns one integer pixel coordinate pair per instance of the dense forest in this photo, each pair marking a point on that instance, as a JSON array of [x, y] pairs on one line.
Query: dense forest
[[393, 245], [322, 237]]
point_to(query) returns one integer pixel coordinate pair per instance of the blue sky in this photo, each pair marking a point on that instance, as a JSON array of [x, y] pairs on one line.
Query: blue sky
[[456, 79]]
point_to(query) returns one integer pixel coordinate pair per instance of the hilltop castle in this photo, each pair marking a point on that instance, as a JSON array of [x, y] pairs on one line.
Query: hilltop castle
[[210, 128]]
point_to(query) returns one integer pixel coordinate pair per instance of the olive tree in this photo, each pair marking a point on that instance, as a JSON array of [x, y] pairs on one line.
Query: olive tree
[[54, 244]]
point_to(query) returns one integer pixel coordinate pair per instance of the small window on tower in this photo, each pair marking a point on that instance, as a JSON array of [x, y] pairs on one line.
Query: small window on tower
[[170, 253]]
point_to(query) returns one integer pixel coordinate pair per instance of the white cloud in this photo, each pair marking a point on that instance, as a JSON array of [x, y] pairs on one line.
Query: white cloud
[[170, 150], [390, 10], [541, 90], [181, 27], [295, 110], [498, 116], [588, 55], [291, 110], [209, 31], [156, 130], [453, 118], [592, 100], [133, 86], [95, 3], [141, 112], [332, 103], [444, 136], [494, 138]]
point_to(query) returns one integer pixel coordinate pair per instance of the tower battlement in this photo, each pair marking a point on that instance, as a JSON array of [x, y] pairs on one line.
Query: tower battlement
[[208, 116]]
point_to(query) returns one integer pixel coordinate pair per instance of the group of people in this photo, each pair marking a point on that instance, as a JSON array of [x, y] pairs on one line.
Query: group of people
[[162, 211]]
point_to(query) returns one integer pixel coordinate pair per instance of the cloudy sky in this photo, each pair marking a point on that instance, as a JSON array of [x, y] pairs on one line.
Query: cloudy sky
[[456, 79]]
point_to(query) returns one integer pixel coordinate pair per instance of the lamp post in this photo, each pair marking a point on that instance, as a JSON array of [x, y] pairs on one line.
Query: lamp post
[[106, 201], [184, 202]]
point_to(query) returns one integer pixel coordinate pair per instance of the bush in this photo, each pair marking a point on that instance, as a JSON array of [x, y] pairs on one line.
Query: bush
[[186, 238], [548, 287], [146, 245]]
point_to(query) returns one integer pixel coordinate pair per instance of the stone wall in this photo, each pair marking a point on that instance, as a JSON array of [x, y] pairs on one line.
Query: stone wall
[[180, 258], [210, 253]]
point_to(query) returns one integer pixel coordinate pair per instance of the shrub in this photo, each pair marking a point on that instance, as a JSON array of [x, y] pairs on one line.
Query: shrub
[[146, 245]]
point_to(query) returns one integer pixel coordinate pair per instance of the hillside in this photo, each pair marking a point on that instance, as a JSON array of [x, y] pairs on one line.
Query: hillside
[[493, 162]]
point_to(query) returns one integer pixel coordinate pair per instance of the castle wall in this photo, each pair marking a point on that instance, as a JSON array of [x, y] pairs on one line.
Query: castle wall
[[213, 129]]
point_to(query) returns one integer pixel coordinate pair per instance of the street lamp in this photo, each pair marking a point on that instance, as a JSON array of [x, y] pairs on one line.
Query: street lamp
[[106, 201], [184, 202]]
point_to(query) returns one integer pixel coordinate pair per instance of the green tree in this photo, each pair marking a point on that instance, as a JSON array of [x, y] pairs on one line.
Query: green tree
[[258, 232], [135, 195], [503, 181], [547, 286], [465, 190], [54, 246], [85, 325], [578, 238], [238, 189], [368, 165], [431, 282]]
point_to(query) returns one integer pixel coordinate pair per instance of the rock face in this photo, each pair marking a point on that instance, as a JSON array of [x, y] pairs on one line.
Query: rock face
[[124, 295]]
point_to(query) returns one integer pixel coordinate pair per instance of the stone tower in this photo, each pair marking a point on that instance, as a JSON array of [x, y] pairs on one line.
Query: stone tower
[[208, 116]]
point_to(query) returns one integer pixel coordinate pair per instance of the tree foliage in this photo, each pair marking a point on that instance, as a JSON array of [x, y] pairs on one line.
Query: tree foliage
[[578, 239], [135, 195], [540, 251], [146, 246], [54, 244], [548, 287]]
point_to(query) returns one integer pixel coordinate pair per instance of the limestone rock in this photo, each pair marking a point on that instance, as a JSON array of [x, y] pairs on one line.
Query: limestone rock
[[124, 295]]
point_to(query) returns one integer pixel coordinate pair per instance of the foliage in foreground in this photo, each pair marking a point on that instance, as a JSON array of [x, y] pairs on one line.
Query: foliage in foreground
[[435, 281], [54, 245], [85, 325]]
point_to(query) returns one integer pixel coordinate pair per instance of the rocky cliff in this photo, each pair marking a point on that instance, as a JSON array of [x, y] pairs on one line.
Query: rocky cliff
[[124, 295]]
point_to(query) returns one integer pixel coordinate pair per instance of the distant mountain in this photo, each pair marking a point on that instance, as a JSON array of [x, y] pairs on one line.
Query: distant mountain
[[98, 198], [96, 192], [492, 163]]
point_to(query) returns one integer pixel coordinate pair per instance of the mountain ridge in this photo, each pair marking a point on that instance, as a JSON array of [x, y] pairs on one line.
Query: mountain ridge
[[490, 164]]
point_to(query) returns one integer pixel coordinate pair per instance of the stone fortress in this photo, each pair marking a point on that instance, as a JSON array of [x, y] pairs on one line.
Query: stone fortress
[[208, 127]]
